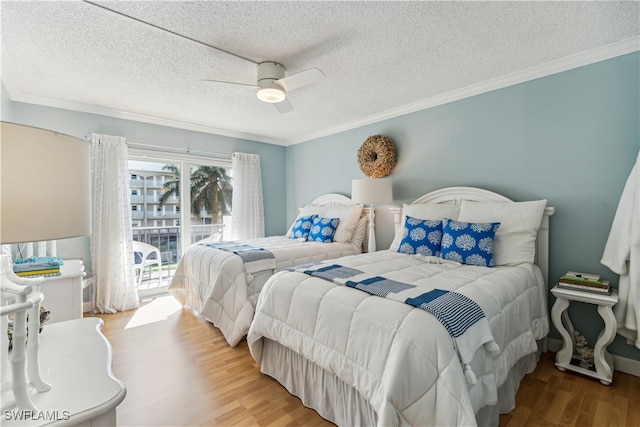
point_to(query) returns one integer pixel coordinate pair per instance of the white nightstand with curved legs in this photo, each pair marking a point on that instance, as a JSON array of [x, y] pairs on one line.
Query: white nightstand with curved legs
[[602, 358]]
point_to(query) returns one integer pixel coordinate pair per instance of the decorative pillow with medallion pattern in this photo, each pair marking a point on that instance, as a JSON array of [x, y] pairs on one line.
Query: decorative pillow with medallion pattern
[[468, 242]]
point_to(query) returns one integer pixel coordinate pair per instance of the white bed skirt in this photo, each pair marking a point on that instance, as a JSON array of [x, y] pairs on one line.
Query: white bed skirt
[[317, 388]]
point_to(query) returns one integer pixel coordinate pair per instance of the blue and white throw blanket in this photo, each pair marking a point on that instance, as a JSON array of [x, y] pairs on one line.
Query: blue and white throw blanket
[[255, 259], [462, 317]]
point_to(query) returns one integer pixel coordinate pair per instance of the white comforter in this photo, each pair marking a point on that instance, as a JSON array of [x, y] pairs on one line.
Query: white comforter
[[215, 284], [400, 358]]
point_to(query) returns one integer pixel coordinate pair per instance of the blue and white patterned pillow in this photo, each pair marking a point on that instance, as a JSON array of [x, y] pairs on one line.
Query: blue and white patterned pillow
[[421, 236], [468, 242], [323, 229], [301, 227]]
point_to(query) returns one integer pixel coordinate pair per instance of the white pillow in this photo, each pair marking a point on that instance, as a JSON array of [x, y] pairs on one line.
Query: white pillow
[[349, 216], [430, 211], [515, 241]]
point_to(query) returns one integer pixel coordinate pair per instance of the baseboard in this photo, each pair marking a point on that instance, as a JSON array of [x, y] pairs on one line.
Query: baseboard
[[622, 364], [86, 307]]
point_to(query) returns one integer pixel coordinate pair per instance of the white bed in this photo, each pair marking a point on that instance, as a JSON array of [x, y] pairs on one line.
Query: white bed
[[359, 359], [217, 284]]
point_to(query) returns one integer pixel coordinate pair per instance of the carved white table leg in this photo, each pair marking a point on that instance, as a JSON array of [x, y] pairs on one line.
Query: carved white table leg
[[33, 343], [602, 358], [563, 357]]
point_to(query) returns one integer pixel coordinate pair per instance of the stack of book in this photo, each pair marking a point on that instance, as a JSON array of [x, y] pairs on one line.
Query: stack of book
[[37, 267], [584, 282]]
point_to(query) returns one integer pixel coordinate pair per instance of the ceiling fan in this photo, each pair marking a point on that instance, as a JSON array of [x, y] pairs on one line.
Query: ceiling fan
[[272, 84]]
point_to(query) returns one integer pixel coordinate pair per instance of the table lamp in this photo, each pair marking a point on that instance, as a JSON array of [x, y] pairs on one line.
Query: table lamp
[[371, 191], [44, 184]]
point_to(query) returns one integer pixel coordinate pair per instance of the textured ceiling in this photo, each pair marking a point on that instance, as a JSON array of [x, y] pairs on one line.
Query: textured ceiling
[[379, 58]]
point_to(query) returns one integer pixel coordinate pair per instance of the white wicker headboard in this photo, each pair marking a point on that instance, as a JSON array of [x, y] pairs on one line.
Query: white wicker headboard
[[456, 195]]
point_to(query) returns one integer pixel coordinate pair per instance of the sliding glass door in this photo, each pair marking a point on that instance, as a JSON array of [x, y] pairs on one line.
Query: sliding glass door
[[175, 202], [155, 220]]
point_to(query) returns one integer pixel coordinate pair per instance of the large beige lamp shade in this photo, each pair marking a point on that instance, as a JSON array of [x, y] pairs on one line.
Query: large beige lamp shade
[[45, 185]]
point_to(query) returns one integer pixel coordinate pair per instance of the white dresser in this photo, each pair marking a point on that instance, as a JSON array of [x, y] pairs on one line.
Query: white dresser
[[63, 294]]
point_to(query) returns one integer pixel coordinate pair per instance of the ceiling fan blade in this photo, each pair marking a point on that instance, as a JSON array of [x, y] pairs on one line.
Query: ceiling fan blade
[[284, 106], [303, 78], [231, 83]]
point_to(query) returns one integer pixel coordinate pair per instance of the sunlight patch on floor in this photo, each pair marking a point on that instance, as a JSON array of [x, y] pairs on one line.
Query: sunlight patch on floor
[[157, 310]]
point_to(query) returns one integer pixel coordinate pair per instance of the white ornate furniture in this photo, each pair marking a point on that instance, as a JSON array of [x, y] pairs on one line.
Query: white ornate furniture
[[602, 358], [75, 358], [62, 375], [18, 299]]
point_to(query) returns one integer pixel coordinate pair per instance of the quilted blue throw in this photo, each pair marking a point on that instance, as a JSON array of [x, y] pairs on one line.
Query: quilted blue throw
[[462, 317], [255, 259]]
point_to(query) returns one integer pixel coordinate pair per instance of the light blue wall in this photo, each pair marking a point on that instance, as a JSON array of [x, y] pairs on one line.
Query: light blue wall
[[82, 124], [6, 106], [570, 138]]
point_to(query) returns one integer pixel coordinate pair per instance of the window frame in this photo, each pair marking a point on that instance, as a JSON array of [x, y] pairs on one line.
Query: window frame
[[184, 161]]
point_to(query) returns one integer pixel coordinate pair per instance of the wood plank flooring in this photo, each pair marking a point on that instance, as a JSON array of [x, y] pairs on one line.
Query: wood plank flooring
[[179, 371]]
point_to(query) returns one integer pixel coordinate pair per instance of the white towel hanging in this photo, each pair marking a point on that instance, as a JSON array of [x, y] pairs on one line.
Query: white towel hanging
[[622, 256]]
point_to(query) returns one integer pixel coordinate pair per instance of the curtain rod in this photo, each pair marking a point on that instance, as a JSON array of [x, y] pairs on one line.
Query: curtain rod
[[178, 150], [165, 149]]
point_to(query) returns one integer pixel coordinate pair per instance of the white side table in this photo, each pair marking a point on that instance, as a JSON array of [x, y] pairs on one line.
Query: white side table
[[75, 358], [63, 294], [602, 358]]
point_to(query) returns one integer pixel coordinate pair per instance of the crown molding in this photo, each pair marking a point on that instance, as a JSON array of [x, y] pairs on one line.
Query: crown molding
[[118, 114], [603, 53], [613, 50]]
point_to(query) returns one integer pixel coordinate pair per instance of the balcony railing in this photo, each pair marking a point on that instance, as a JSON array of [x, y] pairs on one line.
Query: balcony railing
[[154, 215], [163, 215], [167, 240], [153, 200]]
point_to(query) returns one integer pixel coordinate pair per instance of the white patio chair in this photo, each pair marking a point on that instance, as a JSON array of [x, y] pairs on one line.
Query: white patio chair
[[144, 260]]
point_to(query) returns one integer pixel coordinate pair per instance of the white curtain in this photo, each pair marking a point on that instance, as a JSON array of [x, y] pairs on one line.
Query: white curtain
[[622, 256], [247, 218], [111, 240]]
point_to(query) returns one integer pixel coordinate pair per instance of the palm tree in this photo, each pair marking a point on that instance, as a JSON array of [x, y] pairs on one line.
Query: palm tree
[[211, 190], [171, 188]]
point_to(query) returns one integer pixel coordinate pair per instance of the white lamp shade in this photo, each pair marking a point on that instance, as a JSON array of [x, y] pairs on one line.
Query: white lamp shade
[[45, 185], [371, 190]]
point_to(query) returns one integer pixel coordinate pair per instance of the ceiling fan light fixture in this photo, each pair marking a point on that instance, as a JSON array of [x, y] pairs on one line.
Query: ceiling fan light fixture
[[271, 95]]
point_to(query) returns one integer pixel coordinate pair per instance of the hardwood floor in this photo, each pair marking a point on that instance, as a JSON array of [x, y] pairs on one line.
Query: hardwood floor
[[179, 371]]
